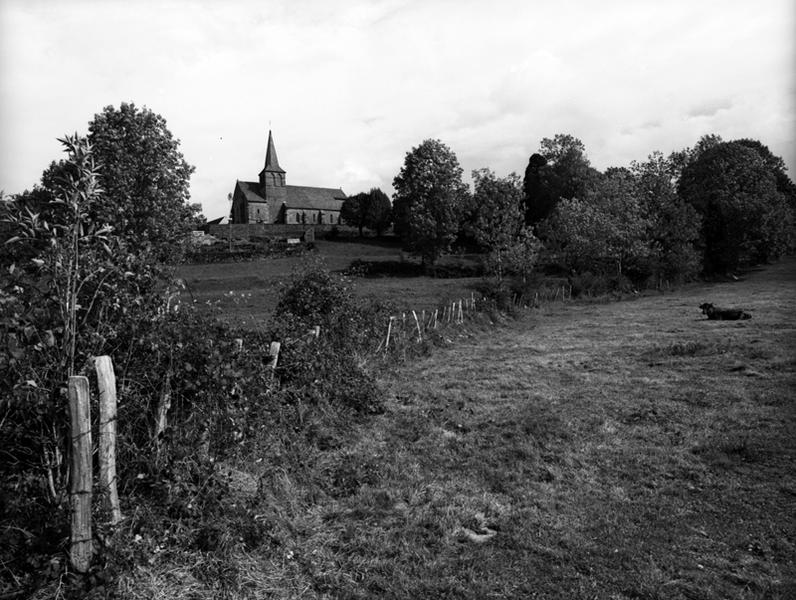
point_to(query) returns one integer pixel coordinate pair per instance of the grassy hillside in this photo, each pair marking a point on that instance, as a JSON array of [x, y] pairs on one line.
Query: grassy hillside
[[625, 450]]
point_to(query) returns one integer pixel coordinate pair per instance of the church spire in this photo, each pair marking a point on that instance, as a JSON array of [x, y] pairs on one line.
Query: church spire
[[271, 161]]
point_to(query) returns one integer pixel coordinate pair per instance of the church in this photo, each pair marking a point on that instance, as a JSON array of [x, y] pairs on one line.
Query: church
[[271, 200]]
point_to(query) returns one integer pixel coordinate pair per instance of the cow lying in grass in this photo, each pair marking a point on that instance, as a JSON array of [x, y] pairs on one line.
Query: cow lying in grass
[[723, 314]]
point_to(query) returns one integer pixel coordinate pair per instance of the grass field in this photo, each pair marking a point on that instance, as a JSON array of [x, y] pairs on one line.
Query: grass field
[[623, 450], [248, 291]]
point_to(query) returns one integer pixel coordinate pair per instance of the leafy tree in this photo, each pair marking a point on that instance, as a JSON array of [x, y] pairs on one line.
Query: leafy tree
[[498, 215], [368, 209], [680, 159], [378, 216], [145, 178], [353, 211], [673, 225], [777, 166], [429, 193], [560, 169], [66, 284], [745, 218], [605, 232]]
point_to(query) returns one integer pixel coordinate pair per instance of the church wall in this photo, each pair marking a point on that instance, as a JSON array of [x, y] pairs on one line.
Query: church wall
[[312, 217], [258, 213], [246, 231]]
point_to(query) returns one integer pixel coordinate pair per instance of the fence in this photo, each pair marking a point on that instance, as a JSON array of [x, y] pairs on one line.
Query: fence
[[411, 326], [81, 467]]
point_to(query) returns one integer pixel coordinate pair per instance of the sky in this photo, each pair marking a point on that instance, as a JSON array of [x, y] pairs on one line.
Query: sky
[[349, 87]]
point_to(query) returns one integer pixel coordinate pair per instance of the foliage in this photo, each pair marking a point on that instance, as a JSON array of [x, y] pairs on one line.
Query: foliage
[[496, 224], [673, 226], [144, 177], [520, 257], [368, 209], [69, 290], [65, 284], [560, 169], [429, 193], [746, 219], [605, 231], [327, 367], [777, 166], [352, 211]]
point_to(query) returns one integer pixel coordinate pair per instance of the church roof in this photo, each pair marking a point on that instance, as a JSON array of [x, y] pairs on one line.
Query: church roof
[[314, 198], [271, 160], [299, 197], [251, 191]]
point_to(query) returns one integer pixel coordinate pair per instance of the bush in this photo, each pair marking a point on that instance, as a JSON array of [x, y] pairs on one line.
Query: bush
[[591, 284], [329, 367]]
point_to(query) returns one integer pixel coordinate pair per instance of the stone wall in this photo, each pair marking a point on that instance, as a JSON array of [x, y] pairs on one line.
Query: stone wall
[[247, 231]]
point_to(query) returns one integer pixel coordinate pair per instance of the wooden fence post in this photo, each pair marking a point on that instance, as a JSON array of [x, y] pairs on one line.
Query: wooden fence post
[[389, 331], [163, 407], [80, 549], [419, 333], [435, 318], [273, 351], [106, 380], [461, 314]]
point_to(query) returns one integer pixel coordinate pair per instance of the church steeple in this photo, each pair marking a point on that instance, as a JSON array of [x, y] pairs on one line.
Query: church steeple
[[271, 160], [272, 177]]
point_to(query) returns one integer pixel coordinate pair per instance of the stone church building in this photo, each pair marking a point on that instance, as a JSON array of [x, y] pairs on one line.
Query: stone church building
[[271, 200]]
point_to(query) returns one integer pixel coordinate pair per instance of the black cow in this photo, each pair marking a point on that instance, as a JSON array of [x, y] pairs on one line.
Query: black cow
[[723, 314]]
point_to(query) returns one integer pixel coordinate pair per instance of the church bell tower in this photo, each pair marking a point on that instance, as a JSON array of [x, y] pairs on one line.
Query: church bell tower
[[272, 179]]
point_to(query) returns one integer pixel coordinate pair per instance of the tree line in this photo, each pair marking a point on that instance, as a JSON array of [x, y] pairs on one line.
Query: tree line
[[711, 209]]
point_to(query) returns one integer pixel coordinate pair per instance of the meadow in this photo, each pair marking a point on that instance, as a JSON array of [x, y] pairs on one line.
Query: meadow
[[247, 292], [616, 450]]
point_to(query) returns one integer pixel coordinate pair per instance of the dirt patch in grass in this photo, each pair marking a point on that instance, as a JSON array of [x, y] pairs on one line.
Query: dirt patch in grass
[[625, 450]]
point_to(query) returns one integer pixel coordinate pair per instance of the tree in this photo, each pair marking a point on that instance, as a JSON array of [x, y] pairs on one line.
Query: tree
[[428, 195], [745, 218], [680, 159], [353, 210], [560, 169], [498, 215], [673, 225], [145, 178], [68, 286], [378, 215], [368, 209], [777, 166], [604, 232]]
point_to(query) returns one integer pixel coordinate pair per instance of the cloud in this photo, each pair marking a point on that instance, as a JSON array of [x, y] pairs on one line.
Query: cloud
[[349, 88], [709, 109]]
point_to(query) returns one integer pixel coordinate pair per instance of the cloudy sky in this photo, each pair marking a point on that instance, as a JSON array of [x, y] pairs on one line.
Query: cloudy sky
[[348, 87]]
